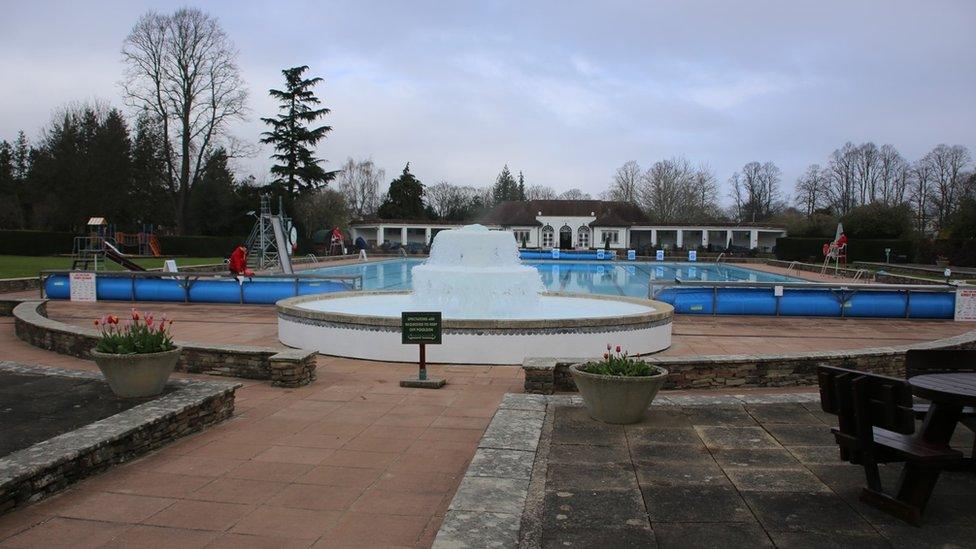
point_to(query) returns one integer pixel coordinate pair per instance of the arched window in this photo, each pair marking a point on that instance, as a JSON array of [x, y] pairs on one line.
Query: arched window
[[583, 237], [547, 236], [566, 238]]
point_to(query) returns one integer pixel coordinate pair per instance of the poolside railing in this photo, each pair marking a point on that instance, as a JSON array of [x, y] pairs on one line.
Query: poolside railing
[[187, 280], [792, 298]]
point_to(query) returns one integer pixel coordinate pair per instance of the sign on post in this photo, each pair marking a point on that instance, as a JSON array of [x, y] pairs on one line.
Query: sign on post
[[421, 328], [659, 255], [555, 253], [965, 304], [82, 286], [601, 254], [631, 255], [692, 255]]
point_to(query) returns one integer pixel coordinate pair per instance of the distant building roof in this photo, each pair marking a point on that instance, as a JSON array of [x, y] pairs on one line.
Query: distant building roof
[[607, 213]]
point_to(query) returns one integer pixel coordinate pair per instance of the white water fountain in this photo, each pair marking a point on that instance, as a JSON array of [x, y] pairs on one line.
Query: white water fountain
[[495, 311]]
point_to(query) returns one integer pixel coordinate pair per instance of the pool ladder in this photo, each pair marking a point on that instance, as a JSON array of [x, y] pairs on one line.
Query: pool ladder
[[719, 258], [792, 268]]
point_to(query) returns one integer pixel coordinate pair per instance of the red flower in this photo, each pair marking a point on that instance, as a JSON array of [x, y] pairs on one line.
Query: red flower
[[135, 314], [606, 356], [608, 346], [618, 348], [97, 322], [149, 321], [112, 319]]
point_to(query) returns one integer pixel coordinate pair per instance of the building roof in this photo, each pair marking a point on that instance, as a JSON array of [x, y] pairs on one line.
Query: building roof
[[607, 213]]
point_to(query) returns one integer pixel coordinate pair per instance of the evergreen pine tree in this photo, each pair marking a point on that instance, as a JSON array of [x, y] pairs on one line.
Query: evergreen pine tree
[[215, 205], [505, 187], [149, 181], [9, 211], [405, 199], [296, 169], [521, 187]]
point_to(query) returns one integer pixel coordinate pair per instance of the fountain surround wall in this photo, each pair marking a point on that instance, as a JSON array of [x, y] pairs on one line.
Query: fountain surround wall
[[495, 312]]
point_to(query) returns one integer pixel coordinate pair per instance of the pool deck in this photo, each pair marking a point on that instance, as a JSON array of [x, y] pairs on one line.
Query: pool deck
[[351, 460], [692, 334]]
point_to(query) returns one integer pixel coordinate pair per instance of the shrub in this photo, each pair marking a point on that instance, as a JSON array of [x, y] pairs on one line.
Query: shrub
[[878, 221]]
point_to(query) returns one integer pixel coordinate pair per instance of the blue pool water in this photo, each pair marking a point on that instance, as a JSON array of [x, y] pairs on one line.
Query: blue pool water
[[629, 279]]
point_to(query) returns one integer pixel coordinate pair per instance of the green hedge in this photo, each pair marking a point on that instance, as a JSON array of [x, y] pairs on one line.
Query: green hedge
[[199, 246], [960, 252], [39, 243], [811, 249], [35, 243]]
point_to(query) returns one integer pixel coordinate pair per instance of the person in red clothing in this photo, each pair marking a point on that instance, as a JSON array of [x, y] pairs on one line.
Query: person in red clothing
[[238, 262], [841, 246]]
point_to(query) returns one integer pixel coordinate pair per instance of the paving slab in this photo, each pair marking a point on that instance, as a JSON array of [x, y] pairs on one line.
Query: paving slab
[[720, 535]]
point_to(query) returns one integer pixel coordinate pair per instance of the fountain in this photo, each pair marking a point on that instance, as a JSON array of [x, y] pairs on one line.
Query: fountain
[[495, 311]]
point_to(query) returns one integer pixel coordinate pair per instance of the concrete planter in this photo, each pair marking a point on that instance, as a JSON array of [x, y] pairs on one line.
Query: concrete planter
[[617, 399], [142, 375]]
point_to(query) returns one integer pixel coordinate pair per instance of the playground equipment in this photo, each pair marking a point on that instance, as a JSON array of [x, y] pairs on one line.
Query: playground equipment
[[103, 243], [271, 240]]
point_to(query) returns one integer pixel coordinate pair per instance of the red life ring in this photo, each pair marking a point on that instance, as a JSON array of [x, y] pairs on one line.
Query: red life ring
[[826, 249]]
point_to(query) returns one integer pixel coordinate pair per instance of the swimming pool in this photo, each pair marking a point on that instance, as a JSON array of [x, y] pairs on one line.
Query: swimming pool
[[627, 279]]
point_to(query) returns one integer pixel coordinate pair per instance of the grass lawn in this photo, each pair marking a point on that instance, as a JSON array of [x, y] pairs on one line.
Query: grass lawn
[[15, 266]]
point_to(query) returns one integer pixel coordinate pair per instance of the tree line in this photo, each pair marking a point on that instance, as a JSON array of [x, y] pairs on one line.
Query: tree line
[[169, 163]]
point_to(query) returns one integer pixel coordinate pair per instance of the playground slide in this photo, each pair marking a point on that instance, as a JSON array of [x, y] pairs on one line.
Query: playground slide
[[112, 253], [284, 248]]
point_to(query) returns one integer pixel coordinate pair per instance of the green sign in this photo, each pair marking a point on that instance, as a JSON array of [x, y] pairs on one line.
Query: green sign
[[419, 328]]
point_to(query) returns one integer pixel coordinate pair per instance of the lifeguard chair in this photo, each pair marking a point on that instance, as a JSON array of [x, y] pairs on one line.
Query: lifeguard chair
[[337, 245], [836, 253]]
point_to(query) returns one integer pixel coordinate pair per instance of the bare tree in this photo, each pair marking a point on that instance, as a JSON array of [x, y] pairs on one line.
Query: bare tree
[[182, 68], [811, 189], [626, 183], [892, 176], [755, 192], [540, 192], [920, 194], [664, 192], [574, 194], [947, 164], [866, 169], [703, 204], [359, 183], [842, 170]]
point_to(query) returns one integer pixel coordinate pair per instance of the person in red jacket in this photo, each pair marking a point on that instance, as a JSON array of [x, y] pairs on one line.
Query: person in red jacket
[[238, 262]]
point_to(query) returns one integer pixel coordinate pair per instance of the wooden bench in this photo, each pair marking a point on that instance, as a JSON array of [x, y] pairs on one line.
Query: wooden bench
[[876, 424]]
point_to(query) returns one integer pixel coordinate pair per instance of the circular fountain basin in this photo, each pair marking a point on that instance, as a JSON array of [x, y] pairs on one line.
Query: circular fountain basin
[[366, 325]]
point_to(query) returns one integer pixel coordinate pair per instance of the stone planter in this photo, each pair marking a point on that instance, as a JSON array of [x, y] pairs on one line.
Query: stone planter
[[617, 399], [132, 376]]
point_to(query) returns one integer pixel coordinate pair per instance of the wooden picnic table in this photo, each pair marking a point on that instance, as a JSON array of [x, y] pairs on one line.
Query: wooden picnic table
[[948, 393]]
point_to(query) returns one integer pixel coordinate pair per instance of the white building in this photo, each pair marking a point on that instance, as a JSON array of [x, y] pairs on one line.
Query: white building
[[581, 224]]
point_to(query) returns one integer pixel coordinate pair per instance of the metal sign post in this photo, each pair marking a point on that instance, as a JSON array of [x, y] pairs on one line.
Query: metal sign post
[[421, 328]]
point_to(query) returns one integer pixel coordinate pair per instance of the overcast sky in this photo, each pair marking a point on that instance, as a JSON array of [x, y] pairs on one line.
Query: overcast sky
[[564, 91]]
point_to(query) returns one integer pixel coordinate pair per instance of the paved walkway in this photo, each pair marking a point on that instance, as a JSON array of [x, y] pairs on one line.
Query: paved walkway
[[727, 476], [352, 460], [692, 334]]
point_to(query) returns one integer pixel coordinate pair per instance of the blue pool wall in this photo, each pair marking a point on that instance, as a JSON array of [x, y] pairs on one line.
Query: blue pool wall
[[810, 302], [824, 302], [111, 288]]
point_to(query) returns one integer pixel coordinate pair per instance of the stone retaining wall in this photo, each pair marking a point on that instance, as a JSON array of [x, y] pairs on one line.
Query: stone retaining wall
[[37, 472], [548, 375], [282, 366], [8, 285]]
